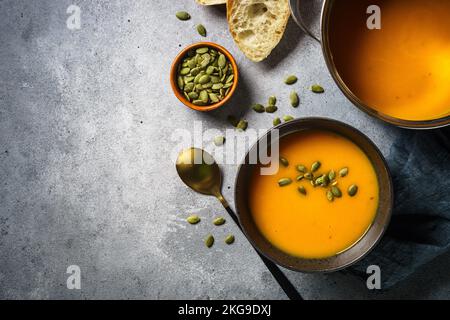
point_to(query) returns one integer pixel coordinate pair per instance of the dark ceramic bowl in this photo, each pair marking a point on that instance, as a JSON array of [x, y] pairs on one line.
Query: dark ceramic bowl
[[358, 250]]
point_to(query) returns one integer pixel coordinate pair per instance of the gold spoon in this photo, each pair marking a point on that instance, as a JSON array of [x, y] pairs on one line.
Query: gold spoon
[[199, 171]]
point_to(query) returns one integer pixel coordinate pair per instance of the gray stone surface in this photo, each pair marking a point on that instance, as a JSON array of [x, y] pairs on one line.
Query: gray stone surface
[[86, 178]]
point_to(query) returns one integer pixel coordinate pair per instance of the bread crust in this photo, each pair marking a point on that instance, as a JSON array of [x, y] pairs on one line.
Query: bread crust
[[272, 40]]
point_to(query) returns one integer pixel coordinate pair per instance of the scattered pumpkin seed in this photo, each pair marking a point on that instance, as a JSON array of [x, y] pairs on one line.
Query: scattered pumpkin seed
[[271, 109], [336, 192], [242, 125], [353, 190], [219, 221], [315, 166], [301, 168], [288, 118], [201, 30], [272, 101], [302, 190], [322, 181], [295, 100], [183, 15], [276, 121], [300, 177], [309, 176], [258, 108], [284, 162], [229, 239], [290, 80], [317, 89], [331, 175], [330, 196], [343, 172], [194, 219], [209, 240], [219, 141], [284, 182]]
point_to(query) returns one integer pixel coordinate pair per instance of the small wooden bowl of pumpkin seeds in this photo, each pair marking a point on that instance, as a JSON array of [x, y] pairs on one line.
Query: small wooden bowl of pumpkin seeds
[[204, 76]]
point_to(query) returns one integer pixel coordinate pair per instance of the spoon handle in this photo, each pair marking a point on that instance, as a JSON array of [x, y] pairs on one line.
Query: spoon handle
[[279, 276]]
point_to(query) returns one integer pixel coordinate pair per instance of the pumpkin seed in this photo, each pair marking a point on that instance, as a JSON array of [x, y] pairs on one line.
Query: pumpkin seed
[[204, 79], [188, 79], [284, 182], [201, 30], [209, 240], [242, 125], [336, 192], [185, 71], [221, 61], [300, 177], [309, 176], [202, 50], [317, 89], [219, 141], [199, 103], [271, 109], [302, 190], [315, 166], [194, 219], [284, 162], [219, 221], [343, 172], [272, 101], [193, 95], [276, 121], [180, 83], [331, 175], [288, 118], [229, 239], [322, 181], [353, 190], [213, 97], [330, 196], [301, 168], [204, 96], [258, 108], [183, 15], [295, 100], [290, 80], [210, 70], [230, 78]]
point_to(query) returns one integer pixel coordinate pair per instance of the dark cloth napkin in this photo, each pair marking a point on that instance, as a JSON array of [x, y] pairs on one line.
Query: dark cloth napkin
[[420, 227]]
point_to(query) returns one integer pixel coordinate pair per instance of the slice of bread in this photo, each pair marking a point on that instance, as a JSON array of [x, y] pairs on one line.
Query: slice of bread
[[257, 26], [211, 2]]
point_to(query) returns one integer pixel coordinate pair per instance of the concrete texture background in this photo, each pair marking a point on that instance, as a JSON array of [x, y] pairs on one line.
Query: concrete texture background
[[86, 178]]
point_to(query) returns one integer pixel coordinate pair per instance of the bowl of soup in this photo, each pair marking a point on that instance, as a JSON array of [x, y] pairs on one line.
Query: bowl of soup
[[326, 200], [391, 58]]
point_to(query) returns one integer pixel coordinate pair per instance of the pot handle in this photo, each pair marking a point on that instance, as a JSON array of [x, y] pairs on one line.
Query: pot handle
[[295, 13]]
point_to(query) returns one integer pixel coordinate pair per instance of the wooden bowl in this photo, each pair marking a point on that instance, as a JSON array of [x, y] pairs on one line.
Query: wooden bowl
[[352, 254], [180, 57]]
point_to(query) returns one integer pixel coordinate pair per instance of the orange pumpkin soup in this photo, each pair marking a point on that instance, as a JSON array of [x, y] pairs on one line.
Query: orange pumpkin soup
[[311, 226], [402, 69]]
